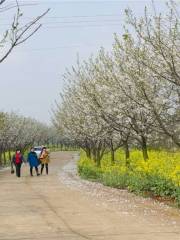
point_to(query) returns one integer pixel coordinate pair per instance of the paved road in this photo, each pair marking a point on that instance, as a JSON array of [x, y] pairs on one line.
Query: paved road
[[44, 208]]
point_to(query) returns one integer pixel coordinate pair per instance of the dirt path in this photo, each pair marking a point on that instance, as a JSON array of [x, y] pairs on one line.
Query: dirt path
[[61, 206]]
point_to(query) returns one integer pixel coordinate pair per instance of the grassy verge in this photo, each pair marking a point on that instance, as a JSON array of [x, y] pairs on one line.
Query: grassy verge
[[159, 177]]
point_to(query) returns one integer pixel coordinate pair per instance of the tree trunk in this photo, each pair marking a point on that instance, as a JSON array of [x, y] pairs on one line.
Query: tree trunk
[[112, 153], [127, 153], [5, 160], [144, 148], [88, 153], [0, 159], [10, 157], [98, 159], [112, 156]]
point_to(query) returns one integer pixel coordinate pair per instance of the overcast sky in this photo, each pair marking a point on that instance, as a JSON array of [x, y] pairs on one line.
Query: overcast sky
[[31, 78]]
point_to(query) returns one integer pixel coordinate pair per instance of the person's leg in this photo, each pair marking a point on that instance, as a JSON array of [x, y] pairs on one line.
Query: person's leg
[[42, 167], [37, 172], [47, 168], [31, 171], [18, 170]]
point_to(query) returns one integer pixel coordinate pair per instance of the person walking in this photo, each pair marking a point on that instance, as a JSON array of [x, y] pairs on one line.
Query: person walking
[[44, 159], [33, 162], [17, 160]]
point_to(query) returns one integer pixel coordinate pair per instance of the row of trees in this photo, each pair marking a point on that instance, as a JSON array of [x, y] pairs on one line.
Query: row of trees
[[129, 97], [20, 132]]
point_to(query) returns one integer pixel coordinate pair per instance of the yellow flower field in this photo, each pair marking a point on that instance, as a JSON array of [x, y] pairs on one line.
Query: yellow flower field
[[160, 174]]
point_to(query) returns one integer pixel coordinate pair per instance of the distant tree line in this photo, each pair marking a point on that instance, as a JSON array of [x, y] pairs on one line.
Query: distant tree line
[[18, 132]]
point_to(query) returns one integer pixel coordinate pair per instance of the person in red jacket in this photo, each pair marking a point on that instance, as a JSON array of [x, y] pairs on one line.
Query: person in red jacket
[[17, 160]]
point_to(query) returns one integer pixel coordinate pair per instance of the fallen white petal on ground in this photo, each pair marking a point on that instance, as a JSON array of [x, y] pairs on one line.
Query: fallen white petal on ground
[[125, 203]]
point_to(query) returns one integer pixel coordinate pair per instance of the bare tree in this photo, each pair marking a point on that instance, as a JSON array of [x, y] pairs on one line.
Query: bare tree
[[18, 33]]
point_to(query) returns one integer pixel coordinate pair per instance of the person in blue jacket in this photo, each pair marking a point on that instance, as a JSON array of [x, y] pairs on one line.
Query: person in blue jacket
[[33, 162]]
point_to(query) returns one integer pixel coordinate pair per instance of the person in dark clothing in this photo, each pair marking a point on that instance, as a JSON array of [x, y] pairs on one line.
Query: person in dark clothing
[[33, 162], [17, 160]]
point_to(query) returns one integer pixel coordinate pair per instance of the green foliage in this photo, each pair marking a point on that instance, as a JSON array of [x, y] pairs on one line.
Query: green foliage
[[159, 176], [115, 179]]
